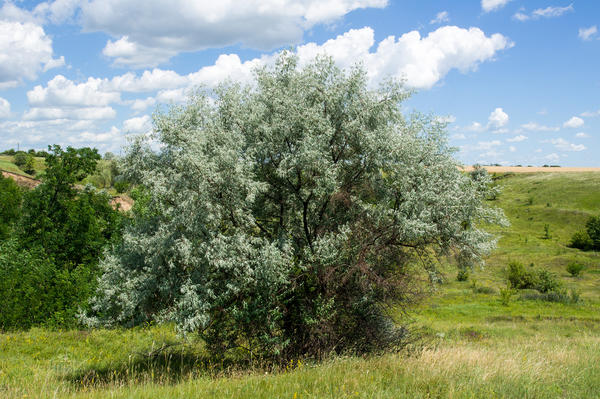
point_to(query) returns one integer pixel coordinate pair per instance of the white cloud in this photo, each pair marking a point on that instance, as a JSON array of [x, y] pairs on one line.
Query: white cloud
[[62, 91], [588, 33], [552, 157], [493, 5], [517, 139], [440, 17], [475, 127], [142, 104], [25, 50], [458, 136], [112, 135], [156, 79], [582, 135], [162, 29], [421, 61], [425, 61], [574, 122], [590, 114], [55, 113], [487, 145], [564, 145], [4, 108], [548, 12], [140, 124], [535, 127], [446, 119], [512, 148], [498, 118]]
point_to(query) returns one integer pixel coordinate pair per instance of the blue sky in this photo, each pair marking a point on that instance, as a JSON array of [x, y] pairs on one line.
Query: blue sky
[[518, 81]]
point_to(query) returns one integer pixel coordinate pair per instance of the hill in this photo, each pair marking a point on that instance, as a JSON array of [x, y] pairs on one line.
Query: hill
[[473, 345]]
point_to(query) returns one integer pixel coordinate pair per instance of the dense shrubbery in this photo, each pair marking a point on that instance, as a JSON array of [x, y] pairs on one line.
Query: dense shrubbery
[[287, 218], [588, 239], [575, 268], [538, 279], [11, 196], [54, 237]]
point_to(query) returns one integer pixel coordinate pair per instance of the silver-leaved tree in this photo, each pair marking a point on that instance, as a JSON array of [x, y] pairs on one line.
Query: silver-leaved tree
[[290, 217]]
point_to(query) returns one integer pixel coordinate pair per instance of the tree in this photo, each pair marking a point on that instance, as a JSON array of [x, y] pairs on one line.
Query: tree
[[71, 224], [11, 196], [593, 229], [289, 217]]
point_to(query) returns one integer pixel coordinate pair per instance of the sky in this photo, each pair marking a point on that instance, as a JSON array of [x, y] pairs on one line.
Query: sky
[[517, 81]]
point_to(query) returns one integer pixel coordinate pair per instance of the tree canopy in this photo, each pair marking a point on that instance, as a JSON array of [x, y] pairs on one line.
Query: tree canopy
[[289, 216]]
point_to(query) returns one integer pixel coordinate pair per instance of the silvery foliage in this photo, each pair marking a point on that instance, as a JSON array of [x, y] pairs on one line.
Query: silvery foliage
[[275, 211]]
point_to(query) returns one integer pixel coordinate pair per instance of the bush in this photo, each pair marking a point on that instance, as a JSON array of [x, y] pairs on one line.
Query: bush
[[35, 291], [581, 240], [593, 229], [575, 269], [546, 281], [11, 196], [20, 158], [541, 280], [557, 295], [288, 217], [519, 277], [462, 275]]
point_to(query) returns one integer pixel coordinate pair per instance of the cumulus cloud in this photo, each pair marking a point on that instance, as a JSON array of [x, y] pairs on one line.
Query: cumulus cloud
[[487, 145], [512, 148], [552, 157], [564, 145], [493, 5], [588, 33], [77, 113], [163, 29], [590, 114], [574, 122], [25, 50], [536, 127], [517, 139], [475, 127], [140, 124], [440, 18], [62, 91], [548, 12], [582, 135], [498, 118], [422, 61], [4, 108]]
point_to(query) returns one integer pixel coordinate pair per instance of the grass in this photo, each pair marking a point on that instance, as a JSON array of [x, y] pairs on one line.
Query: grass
[[473, 347], [6, 163]]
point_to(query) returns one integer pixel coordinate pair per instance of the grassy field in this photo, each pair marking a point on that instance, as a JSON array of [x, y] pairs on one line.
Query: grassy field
[[474, 346]]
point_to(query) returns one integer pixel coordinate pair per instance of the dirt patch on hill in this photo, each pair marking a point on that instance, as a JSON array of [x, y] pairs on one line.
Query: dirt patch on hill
[[533, 169], [122, 202], [21, 180]]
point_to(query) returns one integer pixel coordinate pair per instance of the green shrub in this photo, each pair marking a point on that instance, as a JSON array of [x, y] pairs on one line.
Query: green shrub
[[519, 277], [462, 275], [546, 281], [581, 240], [593, 229], [558, 295], [484, 290], [20, 158], [541, 280], [575, 268], [35, 291], [506, 294], [11, 196]]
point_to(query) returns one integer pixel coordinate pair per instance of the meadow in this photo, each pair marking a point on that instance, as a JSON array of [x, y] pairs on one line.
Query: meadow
[[473, 345]]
